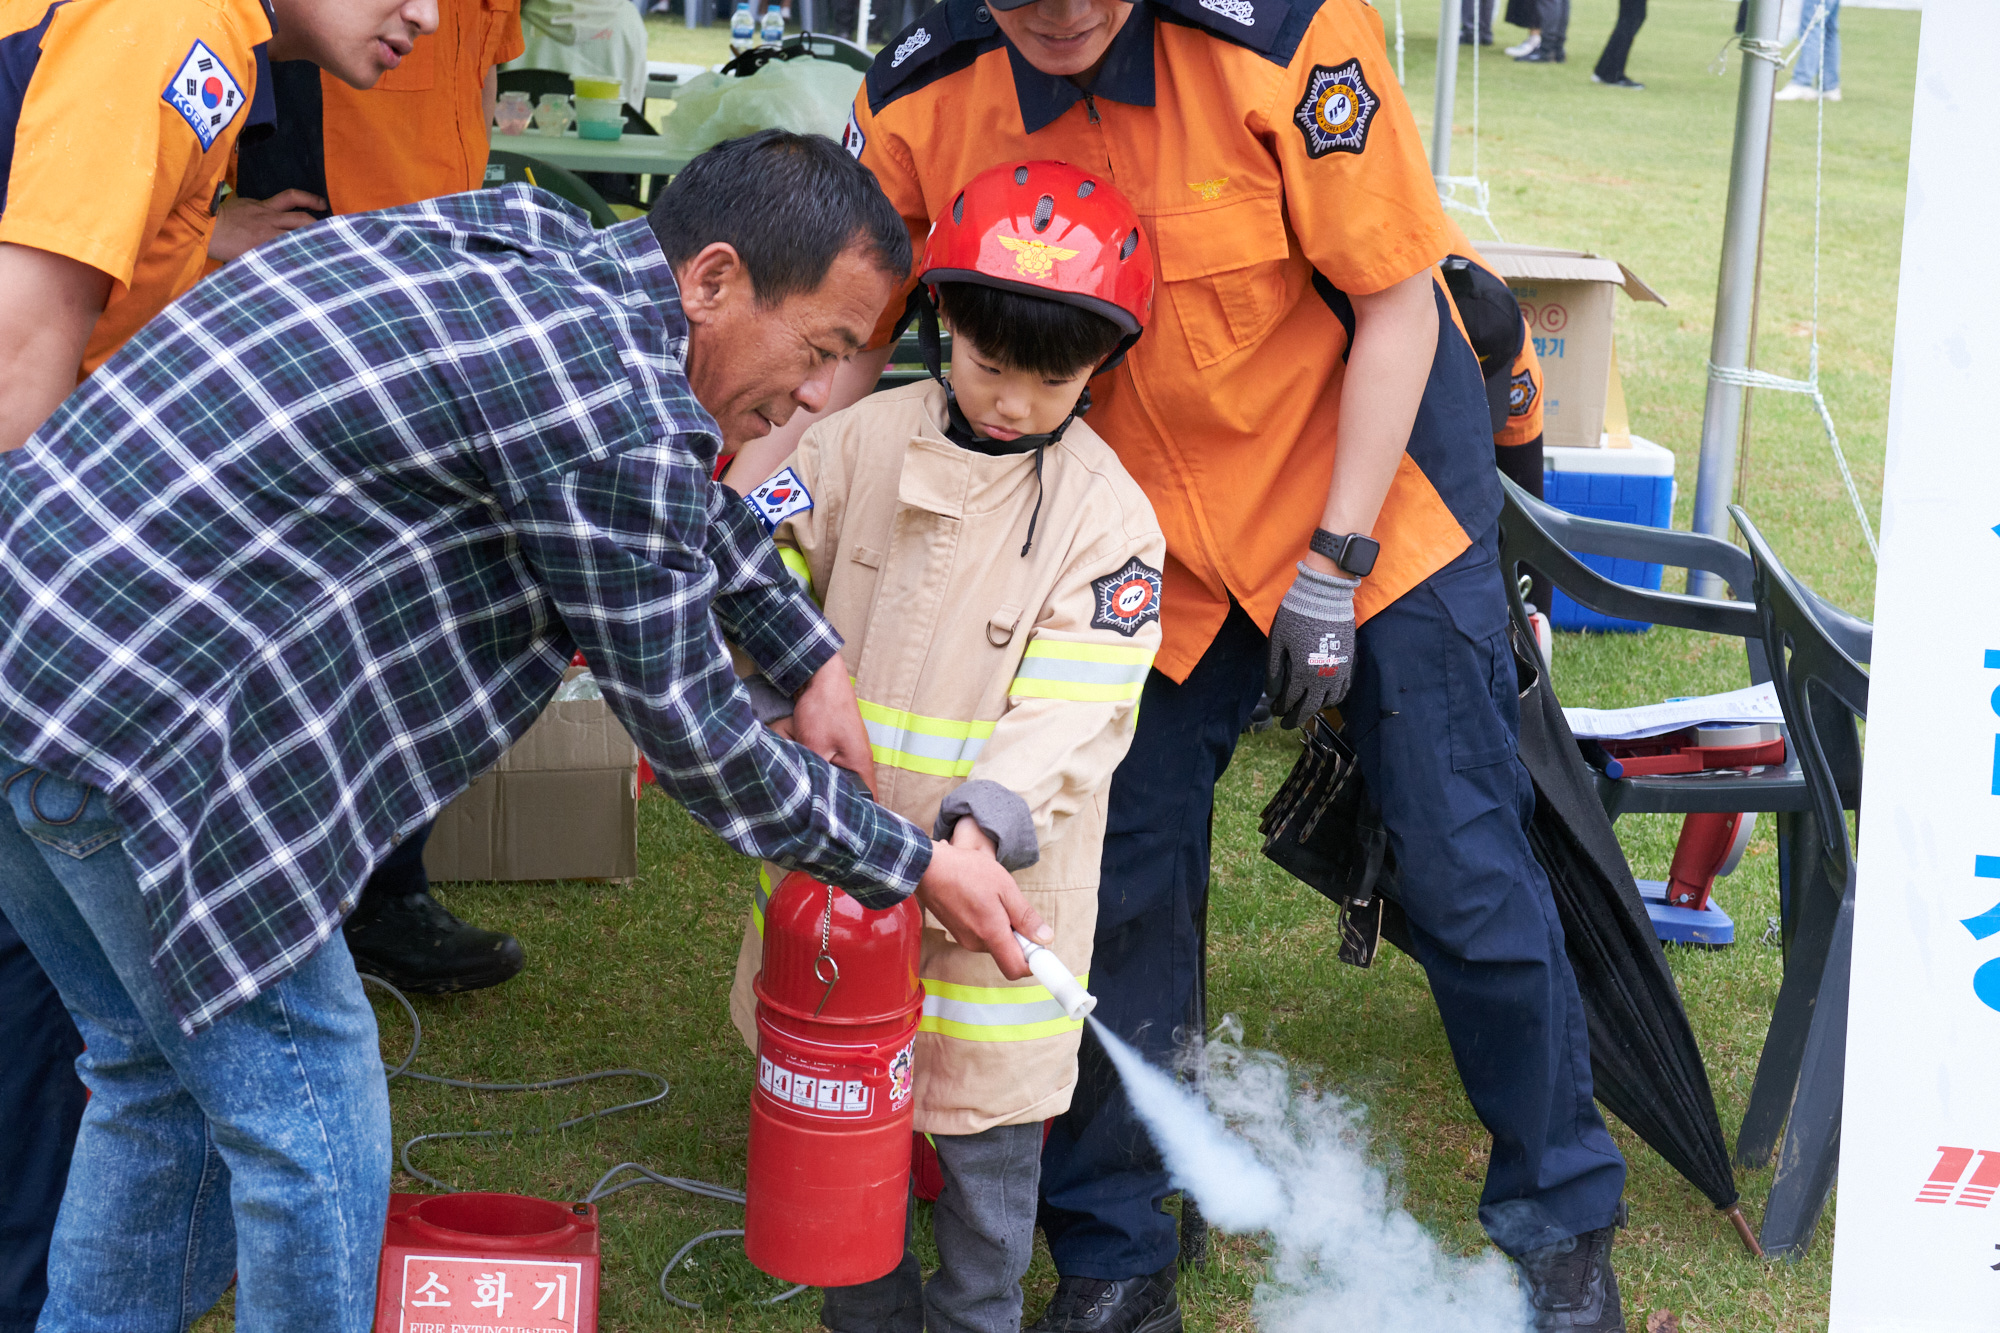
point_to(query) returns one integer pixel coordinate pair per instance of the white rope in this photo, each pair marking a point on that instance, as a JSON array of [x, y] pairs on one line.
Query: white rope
[[1399, 45], [1809, 386], [1773, 52], [1449, 186]]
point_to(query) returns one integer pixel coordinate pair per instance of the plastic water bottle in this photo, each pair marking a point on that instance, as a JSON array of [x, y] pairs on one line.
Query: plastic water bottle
[[742, 27], [773, 33]]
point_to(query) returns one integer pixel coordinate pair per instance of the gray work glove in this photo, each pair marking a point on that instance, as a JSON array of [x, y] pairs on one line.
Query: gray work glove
[[1312, 646]]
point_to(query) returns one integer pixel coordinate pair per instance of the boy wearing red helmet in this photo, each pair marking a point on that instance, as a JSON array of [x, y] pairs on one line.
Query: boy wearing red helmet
[[1312, 428], [996, 575]]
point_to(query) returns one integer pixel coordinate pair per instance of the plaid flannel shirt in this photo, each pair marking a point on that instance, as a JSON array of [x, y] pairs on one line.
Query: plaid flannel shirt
[[303, 559]]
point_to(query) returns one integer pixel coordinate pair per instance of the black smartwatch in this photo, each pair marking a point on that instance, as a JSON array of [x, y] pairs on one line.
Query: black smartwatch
[[1353, 553]]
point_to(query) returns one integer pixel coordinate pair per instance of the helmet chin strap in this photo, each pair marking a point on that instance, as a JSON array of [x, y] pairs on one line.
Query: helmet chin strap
[[959, 430]]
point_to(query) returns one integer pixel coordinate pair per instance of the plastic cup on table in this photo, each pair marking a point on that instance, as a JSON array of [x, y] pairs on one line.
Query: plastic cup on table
[[600, 112], [514, 112], [552, 114]]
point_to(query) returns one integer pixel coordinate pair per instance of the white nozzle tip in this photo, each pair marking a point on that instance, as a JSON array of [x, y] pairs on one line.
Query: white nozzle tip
[[1076, 1002]]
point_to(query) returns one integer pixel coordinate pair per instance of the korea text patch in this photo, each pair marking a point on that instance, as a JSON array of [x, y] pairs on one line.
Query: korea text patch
[[1127, 599], [780, 497], [1334, 114], [205, 93]]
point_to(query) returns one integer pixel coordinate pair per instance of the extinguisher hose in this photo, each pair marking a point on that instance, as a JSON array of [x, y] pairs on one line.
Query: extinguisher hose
[[603, 1189]]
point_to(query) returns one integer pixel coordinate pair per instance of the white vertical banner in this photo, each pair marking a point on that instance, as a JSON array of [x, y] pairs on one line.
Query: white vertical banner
[[1917, 1244]]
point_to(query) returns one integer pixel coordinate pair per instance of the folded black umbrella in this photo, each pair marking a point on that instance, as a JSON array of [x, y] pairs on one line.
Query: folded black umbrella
[[1645, 1063]]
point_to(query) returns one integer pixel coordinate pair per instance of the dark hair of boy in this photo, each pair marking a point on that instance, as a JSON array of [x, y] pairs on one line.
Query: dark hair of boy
[[789, 204], [1030, 333]]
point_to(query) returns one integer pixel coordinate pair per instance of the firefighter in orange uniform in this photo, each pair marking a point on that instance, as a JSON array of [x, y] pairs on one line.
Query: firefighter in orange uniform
[[419, 133], [1311, 426]]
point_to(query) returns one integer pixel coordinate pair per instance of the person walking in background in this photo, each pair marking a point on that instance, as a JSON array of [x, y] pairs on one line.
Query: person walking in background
[[1818, 71], [1525, 14], [1611, 65], [1554, 32], [1475, 14]]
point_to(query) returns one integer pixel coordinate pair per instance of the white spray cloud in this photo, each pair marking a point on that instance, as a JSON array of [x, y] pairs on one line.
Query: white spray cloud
[[1265, 1155]]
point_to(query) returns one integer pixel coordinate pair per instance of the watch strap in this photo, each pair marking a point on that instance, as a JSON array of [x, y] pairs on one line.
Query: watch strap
[[1339, 548]]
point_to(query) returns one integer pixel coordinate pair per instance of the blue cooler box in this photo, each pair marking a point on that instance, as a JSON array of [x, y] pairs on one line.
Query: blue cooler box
[[1633, 485]]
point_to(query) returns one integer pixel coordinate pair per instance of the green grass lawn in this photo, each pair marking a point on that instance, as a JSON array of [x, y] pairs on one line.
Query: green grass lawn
[[638, 974]]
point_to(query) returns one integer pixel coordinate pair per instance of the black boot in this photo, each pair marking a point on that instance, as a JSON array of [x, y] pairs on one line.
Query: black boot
[[401, 934], [1571, 1286], [1092, 1305]]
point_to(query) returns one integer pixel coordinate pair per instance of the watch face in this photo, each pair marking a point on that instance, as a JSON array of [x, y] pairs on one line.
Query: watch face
[[1358, 555]]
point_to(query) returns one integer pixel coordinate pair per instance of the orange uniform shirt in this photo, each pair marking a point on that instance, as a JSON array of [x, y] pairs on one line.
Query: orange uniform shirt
[[118, 119], [1277, 170], [421, 131]]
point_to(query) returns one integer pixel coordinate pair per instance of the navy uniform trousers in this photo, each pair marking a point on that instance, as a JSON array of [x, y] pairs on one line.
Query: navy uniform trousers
[[41, 1103], [1434, 715]]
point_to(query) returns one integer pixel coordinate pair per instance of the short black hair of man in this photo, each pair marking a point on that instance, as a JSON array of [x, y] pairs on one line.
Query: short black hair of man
[[789, 203], [1030, 333]]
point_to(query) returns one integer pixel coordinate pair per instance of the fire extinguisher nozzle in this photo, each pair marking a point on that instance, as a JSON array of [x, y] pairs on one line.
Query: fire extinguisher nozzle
[[1076, 1002]]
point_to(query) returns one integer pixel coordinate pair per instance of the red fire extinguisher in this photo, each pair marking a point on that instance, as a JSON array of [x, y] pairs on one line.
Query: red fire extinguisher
[[838, 1004]]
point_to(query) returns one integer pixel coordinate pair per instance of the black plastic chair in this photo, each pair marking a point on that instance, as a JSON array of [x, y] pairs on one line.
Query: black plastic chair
[[1547, 540], [1815, 651], [906, 361], [826, 46], [558, 181]]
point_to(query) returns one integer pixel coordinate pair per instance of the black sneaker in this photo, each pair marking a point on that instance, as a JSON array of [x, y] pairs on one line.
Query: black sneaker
[[410, 941], [1542, 55], [1571, 1287], [1092, 1305], [1631, 85]]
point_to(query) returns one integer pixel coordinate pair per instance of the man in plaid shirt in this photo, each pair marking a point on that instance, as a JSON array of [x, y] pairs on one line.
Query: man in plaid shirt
[[302, 561]]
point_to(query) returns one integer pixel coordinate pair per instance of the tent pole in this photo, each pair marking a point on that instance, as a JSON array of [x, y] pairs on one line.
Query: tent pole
[[1447, 89], [1736, 285]]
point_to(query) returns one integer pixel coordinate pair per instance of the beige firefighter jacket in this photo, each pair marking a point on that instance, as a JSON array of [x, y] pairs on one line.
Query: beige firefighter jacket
[[973, 662]]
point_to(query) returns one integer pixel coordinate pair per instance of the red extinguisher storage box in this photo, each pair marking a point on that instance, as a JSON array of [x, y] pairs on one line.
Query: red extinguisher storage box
[[501, 1263]]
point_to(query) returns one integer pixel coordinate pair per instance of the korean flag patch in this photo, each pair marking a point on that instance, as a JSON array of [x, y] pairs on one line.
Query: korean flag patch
[[1127, 599], [779, 498], [205, 93], [1333, 116], [851, 138]]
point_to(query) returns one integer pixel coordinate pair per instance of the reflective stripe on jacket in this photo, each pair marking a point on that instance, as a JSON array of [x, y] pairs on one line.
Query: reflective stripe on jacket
[[972, 661]]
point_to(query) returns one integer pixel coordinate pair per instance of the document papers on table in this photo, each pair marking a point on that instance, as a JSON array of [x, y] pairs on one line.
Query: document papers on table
[[1738, 708]]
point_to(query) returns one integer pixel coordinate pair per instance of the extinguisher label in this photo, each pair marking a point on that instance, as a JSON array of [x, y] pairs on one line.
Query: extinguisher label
[[445, 1293], [901, 1084], [824, 1092]]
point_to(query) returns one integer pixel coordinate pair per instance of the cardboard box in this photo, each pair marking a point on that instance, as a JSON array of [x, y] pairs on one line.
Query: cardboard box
[[1566, 296], [562, 804]]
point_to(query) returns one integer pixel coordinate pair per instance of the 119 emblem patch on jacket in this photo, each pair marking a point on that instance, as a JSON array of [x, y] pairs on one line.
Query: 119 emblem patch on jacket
[[1333, 116], [1127, 599]]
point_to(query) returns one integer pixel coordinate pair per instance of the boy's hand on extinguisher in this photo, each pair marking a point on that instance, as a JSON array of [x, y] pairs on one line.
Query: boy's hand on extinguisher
[[975, 899]]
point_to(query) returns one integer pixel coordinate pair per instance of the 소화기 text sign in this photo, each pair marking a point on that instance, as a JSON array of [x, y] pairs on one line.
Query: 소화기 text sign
[[1917, 1240], [456, 1294]]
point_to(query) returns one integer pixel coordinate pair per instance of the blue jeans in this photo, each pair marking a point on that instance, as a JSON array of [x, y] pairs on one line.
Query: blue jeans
[[260, 1147], [1809, 72]]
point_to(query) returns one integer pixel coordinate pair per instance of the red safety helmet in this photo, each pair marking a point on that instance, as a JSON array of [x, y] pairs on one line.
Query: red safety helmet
[[1051, 230]]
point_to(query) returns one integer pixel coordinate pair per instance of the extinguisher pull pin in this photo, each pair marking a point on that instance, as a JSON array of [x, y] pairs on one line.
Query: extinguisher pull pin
[[1076, 1002]]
